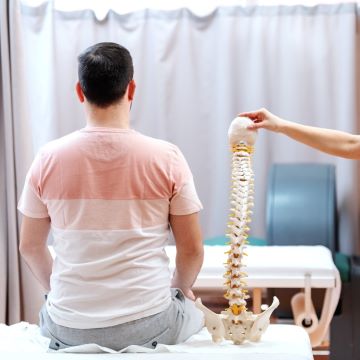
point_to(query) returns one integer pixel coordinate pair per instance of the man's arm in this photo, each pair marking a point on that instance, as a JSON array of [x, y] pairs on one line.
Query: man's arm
[[34, 250], [189, 251], [332, 142]]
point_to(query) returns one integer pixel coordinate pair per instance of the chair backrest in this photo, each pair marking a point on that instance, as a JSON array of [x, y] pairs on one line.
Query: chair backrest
[[301, 205]]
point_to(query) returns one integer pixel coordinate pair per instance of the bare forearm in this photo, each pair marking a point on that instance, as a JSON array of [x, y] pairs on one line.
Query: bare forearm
[[34, 250], [189, 251], [330, 141], [187, 268], [327, 140], [40, 263]]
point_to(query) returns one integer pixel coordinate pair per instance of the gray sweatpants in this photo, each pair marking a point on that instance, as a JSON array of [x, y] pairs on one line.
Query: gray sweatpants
[[172, 326]]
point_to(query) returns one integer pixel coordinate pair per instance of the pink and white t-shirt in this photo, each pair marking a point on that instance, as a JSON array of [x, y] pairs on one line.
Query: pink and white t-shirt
[[109, 193]]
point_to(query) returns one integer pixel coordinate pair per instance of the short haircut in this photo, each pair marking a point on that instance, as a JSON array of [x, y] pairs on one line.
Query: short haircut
[[105, 70]]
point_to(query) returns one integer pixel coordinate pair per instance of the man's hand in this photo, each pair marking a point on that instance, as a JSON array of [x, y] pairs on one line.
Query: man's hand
[[189, 294], [264, 119]]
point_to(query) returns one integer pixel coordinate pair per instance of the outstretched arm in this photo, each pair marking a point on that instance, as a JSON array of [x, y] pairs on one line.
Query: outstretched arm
[[34, 250], [332, 142], [189, 251]]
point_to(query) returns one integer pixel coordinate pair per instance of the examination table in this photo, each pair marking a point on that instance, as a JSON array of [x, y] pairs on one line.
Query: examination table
[[301, 217]]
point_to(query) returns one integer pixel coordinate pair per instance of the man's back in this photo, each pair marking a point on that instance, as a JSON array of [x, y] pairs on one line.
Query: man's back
[[109, 193]]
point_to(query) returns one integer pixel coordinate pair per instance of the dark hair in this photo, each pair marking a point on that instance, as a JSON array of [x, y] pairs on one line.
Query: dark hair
[[105, 70]]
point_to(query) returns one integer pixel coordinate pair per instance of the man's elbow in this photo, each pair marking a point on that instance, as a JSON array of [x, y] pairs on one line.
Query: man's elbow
[[24, 249], [192, 252], [27, 249], [199, 251]]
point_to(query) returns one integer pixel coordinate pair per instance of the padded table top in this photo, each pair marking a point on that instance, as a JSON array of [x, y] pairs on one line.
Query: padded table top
[[269, 266], [279, 342]]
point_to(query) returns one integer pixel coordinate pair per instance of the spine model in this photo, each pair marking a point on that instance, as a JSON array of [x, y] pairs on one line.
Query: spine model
[[242, 201], [236, 323]]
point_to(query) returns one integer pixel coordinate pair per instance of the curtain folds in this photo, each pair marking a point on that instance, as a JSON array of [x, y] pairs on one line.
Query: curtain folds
[[194, 74], [10, 290]]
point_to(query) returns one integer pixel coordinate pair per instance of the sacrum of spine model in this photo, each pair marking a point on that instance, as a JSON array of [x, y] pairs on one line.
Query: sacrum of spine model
[[236, 323]]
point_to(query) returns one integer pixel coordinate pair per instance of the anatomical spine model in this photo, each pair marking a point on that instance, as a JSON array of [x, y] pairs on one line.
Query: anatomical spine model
[[236, 323]]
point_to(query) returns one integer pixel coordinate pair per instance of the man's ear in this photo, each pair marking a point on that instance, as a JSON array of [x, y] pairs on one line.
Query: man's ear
[[79, 92], [131, 90]]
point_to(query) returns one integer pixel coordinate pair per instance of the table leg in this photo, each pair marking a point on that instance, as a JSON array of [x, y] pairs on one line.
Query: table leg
[[257, 300]]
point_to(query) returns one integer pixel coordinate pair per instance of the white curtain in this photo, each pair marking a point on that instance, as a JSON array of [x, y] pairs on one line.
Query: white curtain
[[194, 74], [10, 264]]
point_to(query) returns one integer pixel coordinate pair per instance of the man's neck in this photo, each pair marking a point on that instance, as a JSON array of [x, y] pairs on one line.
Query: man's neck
[[114, 116]]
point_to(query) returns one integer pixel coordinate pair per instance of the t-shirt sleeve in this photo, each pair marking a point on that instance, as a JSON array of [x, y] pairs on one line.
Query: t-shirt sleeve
[[30, 203], [184, 200]]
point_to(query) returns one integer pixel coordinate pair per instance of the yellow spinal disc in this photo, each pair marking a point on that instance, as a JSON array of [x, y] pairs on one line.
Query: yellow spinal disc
[[235, 309]]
